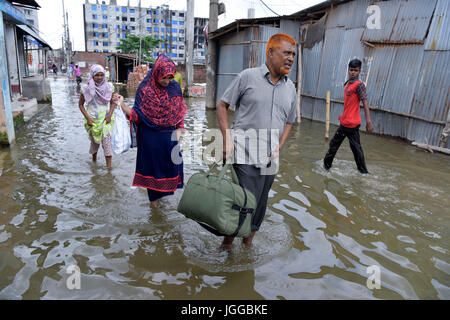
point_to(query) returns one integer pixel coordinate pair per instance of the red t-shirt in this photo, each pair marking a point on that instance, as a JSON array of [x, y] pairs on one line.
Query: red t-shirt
[[354, 92]]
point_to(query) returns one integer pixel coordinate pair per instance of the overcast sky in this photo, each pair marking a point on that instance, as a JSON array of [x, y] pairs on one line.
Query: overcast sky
[[51, 14]]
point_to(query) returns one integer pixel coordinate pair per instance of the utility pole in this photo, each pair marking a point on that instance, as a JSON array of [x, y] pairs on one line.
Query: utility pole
[[63, 48], [211, 59], [189, 45]]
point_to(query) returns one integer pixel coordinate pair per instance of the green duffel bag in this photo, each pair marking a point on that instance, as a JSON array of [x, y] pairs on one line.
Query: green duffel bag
[[218, 204]]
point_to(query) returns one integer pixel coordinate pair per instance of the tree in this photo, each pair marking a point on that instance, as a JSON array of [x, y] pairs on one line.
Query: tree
[[131, 45]]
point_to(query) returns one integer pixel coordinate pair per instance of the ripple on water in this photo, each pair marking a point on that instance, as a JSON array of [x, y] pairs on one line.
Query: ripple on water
[[202, 248]]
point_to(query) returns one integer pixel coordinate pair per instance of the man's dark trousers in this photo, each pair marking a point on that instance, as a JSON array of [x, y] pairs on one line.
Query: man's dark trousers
[[353, 136]]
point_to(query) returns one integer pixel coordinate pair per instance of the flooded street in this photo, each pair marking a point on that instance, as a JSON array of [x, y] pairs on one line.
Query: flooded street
[[321, 232]]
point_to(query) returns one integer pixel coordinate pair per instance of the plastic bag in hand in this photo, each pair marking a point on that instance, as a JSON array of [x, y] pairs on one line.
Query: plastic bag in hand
[[121, 138]]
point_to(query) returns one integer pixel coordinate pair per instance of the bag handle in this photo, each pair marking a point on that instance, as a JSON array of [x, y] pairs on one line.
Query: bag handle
[[222, 173]]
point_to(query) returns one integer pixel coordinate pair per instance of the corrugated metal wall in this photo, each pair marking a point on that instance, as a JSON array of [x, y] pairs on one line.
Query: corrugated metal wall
[[405, 80], [405, 64]]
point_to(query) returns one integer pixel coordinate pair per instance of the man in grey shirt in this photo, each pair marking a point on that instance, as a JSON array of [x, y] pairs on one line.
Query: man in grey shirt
[[265, 102]]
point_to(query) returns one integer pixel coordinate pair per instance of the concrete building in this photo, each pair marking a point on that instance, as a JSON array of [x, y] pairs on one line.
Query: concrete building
[[106, 23], [20, 44]]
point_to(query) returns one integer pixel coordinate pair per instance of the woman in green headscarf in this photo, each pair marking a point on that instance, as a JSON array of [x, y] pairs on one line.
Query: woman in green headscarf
[[97, 94]]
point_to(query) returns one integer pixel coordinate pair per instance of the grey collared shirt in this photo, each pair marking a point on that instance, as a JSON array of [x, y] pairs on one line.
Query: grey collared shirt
[[259, 104]]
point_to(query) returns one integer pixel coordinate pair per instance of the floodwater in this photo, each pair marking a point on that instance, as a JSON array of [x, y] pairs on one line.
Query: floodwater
[[321, 233]]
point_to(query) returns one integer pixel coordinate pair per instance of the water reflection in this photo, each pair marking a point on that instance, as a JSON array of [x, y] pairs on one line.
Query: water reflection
[[321, 232]]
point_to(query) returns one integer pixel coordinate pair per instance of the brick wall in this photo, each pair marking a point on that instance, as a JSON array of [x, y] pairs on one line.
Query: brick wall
[[199, 73], [136, 77], [90, 58]]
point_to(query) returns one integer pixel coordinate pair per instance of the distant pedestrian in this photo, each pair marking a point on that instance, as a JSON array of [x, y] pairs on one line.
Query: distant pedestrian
[[178, 77], [70, 70], [97, 94], [55, 69], [158, 112], [354, 93], [77, 72]]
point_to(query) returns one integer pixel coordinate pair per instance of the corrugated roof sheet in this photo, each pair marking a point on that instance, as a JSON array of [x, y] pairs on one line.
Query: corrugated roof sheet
[[439, 34], [344, 15], [402, 21]]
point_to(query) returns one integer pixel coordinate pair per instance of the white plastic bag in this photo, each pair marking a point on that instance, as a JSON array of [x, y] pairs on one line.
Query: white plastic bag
[[121, 137]]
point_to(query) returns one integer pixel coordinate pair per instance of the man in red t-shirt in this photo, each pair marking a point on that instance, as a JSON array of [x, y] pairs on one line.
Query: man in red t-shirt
[[354, 93]]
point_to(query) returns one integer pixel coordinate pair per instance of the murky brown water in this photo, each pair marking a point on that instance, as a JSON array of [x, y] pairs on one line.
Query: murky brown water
[[321, 231]]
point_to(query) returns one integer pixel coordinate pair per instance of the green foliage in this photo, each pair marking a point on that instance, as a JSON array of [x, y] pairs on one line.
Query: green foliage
[[131, 45]]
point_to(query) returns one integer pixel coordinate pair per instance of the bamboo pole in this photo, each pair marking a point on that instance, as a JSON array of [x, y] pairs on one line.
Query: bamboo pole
[[299, 83], [327, 123]]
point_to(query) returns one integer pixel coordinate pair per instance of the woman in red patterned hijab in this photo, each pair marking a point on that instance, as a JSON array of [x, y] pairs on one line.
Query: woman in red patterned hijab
[[158, 111]]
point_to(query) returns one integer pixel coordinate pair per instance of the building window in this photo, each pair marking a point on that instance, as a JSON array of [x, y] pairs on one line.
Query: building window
[[95, 34], [124, 9], [162, 29], [174, 22], [118, 35], [124, 36], [155, 21], [105, 17], [174, 38], [174, 30], [117, 8], [149, 29], [162, 37], [156, 12], [105, 43], [124, 28], [157, 37], [155, 29], [149, 11], [132, 28], [174, 46], [117, 26], [118, 43], [131, 10], [162, 45], [118, 18], [95, 25], [182, 31], [180, 55], [174, 55], [104, 8], [94, 8], [132, 19], [181, 39], [124, 19], [149, 20], [203, 54], [104, 26], [181, 47], [105, 34], [95, 43], [155, 54], [181, 23]]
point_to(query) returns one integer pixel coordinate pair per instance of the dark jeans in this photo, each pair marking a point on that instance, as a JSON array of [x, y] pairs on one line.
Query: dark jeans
[[353, 137]]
